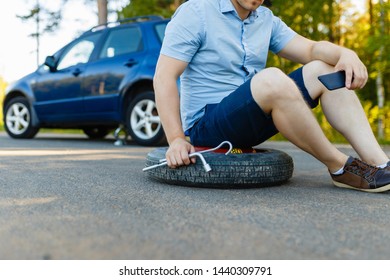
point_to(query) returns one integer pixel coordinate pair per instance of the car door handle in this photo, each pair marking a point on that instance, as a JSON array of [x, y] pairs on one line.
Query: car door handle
[[76, 72], [131, 62]]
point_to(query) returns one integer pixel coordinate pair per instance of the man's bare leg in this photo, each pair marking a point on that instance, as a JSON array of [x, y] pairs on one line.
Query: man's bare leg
[[344, 112], [278, 96]]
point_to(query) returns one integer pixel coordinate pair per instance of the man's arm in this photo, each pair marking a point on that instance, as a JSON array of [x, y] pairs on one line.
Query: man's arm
[[168, 70], [303, 50]]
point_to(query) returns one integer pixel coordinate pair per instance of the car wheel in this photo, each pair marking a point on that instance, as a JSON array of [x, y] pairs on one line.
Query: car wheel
[[142, 120], [18, 120], [263, 167], [96, 133]]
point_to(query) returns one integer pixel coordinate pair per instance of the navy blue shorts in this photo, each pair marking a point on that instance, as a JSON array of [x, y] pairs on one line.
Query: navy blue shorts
[[239, 119]]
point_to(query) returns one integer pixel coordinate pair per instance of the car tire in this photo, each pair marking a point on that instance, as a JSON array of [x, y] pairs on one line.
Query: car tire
[[142, 120], [18, 119], [96, 132], [265, 167]]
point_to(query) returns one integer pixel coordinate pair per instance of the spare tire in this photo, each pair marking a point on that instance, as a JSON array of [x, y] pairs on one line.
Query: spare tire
[[262, 167]]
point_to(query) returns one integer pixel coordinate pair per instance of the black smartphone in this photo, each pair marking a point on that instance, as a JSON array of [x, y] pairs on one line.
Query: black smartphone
[[334, 80]]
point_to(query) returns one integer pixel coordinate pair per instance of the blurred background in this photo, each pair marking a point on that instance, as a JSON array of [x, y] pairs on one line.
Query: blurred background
[[33, 29]]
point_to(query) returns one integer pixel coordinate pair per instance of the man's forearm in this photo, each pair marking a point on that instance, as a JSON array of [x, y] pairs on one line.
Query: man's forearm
[[168, 106], [342, 59], [168, 71], [328, 52]]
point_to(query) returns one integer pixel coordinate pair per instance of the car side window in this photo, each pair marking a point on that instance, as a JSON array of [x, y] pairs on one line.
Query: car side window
[[121, 41], [79, 52]]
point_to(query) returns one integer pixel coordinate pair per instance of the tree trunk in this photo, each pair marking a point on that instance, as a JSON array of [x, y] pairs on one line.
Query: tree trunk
[[371, 15], [38, 34], [331, 34], [102, 11], [380, 90]]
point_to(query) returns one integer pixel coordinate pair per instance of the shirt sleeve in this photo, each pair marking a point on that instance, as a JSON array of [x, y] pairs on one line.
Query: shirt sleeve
[[281, 35], [183, 35]]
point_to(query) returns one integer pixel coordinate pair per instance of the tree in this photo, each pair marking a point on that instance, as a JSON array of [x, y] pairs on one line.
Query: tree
[[42, 17], [102, 11], [380, 89], [317, 20], [48, 21], [163, 8]]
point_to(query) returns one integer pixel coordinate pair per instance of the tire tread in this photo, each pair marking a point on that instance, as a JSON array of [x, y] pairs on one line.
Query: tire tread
[[263, 168]]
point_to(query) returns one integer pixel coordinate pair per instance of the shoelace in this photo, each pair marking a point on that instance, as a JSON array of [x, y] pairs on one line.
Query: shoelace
[[363, 169]]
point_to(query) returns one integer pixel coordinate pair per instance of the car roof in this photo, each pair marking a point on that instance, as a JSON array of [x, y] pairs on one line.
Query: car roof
[[138, 19]]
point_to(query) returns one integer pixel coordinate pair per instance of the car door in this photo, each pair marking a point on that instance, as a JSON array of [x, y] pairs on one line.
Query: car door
[[58, 91], [120, 55]]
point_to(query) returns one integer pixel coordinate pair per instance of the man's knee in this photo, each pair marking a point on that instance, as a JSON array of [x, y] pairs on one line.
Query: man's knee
[[310, 73], [271, 85], [316, 68]]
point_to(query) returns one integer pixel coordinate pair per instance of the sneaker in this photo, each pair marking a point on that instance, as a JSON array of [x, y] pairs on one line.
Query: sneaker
[[361, 176]]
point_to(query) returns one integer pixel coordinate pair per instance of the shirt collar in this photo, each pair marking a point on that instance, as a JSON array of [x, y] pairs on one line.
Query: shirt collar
[[226, 6]]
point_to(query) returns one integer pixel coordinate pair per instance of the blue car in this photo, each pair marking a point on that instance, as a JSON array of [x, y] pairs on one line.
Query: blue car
[[100, 81]]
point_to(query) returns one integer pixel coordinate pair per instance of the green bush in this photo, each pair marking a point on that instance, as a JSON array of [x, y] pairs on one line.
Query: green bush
[[374, 114]]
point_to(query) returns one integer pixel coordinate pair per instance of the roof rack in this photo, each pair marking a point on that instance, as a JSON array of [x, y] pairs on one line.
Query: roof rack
[[125, 20]]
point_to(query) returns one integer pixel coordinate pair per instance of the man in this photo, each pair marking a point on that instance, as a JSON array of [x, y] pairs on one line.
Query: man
[[219, 48]]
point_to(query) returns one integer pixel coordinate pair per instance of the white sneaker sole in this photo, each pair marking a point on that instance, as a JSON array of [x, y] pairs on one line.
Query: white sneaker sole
[[377, 190]]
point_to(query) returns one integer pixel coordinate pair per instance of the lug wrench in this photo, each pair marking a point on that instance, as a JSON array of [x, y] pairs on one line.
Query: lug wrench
[[206, 166]]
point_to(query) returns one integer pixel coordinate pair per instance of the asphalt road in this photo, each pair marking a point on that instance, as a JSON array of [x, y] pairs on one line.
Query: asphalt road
[[67, 197]]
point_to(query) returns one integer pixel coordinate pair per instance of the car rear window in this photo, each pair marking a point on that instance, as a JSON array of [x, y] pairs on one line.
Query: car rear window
[[160, 30]]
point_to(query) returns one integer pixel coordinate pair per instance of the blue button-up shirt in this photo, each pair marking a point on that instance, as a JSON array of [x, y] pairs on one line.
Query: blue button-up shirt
[[223, 51]]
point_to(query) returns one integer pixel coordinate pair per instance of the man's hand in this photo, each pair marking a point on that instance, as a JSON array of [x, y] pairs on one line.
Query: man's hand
[[178, 152], [355, 71], [303, 51]]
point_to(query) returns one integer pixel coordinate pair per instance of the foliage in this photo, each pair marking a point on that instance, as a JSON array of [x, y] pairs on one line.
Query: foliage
[[163, 8], [50, 20], [317, 20], [46, 21], [367, 37]]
